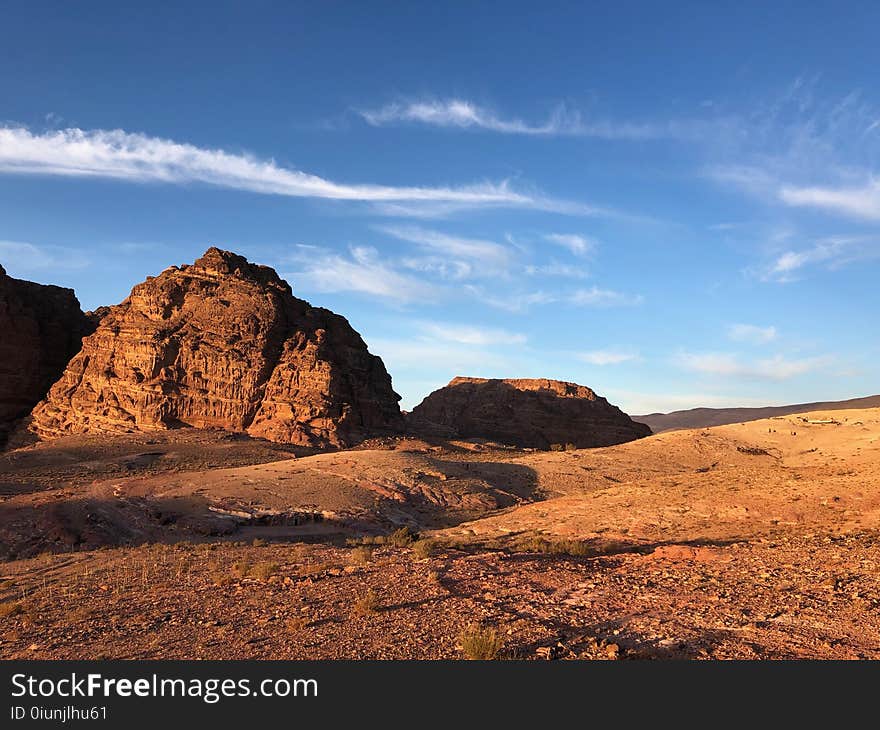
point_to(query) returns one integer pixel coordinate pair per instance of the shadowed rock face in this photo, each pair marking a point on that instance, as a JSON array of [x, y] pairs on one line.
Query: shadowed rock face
[[41, 328], [524, 412], [223, 343]]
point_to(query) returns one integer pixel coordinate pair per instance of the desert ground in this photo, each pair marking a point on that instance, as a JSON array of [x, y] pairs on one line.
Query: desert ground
[[744, 541]]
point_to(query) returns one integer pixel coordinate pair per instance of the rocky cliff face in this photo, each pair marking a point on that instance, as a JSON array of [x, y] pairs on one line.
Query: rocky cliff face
[[524, 412], [41, 328], [223, 343]]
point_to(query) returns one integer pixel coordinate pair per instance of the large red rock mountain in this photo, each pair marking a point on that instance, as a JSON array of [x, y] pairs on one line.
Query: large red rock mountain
[[41, 328], [536, 413], [223, 343]]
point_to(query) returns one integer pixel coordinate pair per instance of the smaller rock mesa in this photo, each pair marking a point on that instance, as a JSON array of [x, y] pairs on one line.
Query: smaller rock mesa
[[223, 343], [530, 413], [41, 328]]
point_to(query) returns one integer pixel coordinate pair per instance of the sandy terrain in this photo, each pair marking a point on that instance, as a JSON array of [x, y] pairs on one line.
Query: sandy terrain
[[754, 540]]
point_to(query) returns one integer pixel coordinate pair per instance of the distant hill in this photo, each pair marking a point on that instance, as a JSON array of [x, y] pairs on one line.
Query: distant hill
[[706, 417]]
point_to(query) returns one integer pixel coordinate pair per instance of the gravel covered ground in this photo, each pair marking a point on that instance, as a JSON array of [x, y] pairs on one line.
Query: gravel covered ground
[[815, 597]]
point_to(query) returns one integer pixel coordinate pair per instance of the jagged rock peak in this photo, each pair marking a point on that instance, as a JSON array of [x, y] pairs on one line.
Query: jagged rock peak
[[223, 343]]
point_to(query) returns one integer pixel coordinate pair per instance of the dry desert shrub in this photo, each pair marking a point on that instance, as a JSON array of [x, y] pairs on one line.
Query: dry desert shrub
[[361, 555], [480, 642], [576, 548], [424, 548], [401, 537], [221, 579], [367, 604], [241, 568], [264, 571], [296, 624], [571, 547]]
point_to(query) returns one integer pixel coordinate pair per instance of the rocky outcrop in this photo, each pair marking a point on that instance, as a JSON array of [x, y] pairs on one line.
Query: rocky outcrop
[[223, 343], [41, 328], [536, 413]]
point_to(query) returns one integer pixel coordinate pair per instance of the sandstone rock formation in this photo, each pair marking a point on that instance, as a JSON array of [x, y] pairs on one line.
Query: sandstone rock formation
[[535, 413], [223, 343], [41, 328]]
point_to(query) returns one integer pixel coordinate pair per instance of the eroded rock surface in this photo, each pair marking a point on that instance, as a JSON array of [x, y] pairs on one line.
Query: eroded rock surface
[[223, 343], [41, 328], [536, 413]]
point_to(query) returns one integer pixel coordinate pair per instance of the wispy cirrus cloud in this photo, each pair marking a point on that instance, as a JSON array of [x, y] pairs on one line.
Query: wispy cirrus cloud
[[362, 271], [510, 302], [476, 250], [431, 209], [751, 333], [633, 402], [607, 357], [465, 114], [597, 297], [26, 258], [470, 335], [132, 157], [578, 245], [861, 202], [557, 269], [587, 297], [728, 365], [831, 252], [805, 149]]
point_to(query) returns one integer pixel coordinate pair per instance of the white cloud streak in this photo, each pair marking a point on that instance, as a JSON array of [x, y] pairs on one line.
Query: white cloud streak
[[465, 114], [592, 297], [362, 271], [470, 335], [19, 257], [596, 297], [578, 245], [833, 252], [414, 354], [554, 268], [120, 155], [855, 202], [456, 247], [751, 333], [727, 365], [514, 303], [606, 357], [634, 402]]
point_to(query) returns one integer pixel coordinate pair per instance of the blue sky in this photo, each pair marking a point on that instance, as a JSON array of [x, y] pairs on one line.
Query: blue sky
[[675, 204]]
